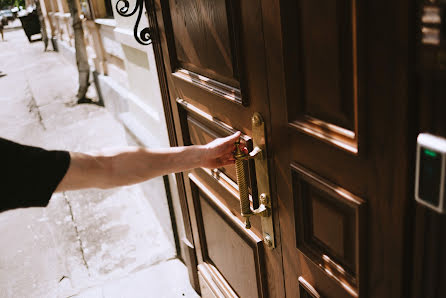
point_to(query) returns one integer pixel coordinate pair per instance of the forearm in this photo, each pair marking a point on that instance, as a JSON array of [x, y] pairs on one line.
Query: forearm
[[130, 165], [137, 165], [118, 167]]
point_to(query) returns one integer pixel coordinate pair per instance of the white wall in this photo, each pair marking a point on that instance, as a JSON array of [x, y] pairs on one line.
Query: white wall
[[138, 104]]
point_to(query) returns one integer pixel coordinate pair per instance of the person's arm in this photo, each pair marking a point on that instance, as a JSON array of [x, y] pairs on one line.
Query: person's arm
[[129, 165]]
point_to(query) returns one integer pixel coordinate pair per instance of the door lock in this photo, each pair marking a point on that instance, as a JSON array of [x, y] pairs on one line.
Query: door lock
[[258, 154]]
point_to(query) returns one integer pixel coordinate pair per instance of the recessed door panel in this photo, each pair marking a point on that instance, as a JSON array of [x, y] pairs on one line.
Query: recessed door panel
[[327, 60], [329, 226], [324, 100], [204, 38], [226, 245]]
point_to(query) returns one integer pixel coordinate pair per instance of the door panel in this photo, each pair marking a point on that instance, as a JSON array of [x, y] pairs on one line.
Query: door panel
[[226, 242], [201, 28], [327, 54], [208, 42], [213, 53], [330, 226], [325, 45]]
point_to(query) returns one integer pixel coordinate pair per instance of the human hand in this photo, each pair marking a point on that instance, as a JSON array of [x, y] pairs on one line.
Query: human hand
[[219, 152]]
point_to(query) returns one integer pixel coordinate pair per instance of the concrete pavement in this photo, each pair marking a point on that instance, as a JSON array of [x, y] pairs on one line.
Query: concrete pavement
[[90, 243]]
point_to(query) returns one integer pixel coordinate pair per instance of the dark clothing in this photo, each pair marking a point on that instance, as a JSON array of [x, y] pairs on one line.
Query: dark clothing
[[29, 175]]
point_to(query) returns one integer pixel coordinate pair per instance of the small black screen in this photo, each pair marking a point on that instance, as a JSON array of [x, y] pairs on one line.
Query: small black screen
[[430, 176]]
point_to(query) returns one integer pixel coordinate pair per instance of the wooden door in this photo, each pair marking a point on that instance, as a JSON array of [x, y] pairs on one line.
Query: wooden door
[[429, 244], [215, 65], [332, 81], [342, 128]]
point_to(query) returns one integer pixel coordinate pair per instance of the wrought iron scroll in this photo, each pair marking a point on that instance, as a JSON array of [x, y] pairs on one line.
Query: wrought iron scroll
[[122, 7]]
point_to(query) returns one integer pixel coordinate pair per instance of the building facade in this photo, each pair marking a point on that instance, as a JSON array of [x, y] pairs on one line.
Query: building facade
[[125, 76]]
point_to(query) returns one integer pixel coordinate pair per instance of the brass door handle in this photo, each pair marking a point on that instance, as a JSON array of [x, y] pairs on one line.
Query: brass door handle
[[242, 181], [258, 154]]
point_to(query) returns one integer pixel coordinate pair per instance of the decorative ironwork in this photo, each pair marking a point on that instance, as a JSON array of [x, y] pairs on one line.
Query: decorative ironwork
[[122, 7]]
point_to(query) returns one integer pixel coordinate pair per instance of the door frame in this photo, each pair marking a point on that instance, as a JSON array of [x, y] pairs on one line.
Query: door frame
[[187, 251]]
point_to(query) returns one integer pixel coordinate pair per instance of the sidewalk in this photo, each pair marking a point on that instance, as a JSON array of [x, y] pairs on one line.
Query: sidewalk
[[90, 243]]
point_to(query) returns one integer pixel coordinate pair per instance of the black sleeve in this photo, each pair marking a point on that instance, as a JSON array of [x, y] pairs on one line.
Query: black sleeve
[[29, 175]]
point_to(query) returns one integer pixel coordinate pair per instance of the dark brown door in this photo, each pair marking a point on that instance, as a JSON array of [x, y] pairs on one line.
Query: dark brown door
[[216, 71], [341, 140], [331, 80], [429, 244]]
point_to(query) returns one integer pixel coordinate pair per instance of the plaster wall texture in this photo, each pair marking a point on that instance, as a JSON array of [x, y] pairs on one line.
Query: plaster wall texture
[[132, 94], [138, 104], [128, 22], [117, 100], [109, 41], [112, 47]]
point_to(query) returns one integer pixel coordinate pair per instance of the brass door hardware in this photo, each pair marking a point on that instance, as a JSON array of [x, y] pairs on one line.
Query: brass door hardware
[[258, 154]]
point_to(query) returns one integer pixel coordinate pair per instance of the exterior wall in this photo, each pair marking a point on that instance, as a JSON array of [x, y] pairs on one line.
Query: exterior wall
[[139, 106], [114, 65], [126, 78]]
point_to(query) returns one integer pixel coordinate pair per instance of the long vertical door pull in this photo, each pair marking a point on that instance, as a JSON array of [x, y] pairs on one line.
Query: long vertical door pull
[[261, 164]]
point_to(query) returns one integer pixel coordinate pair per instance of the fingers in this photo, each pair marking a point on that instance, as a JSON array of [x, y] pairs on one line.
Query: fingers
[[232, 138], [235, 135], [227, 163], [224, 160], [244, 149], [227, 144], [220, 151], [223, 143], [228, 157]]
